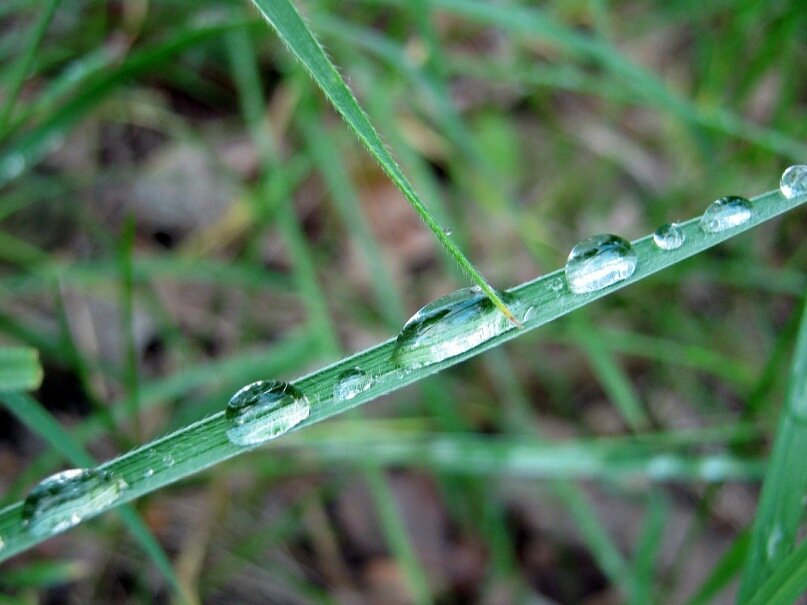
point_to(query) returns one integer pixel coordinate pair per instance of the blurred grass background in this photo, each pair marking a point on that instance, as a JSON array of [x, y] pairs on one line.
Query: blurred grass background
[[182, 214]]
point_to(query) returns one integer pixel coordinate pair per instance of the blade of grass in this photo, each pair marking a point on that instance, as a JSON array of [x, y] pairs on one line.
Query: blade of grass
[[19, 369], [781, 503], [787, 583], [289, 25], [23, 64], [647, 550], [204, 443], [37, 419]]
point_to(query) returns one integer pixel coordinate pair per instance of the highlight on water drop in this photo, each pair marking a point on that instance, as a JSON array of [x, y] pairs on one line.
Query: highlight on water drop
[[264, 410], [66, 498], [726, 213], [448, 327], [599, 261], [669, 237], [350, 383], [794, 181]]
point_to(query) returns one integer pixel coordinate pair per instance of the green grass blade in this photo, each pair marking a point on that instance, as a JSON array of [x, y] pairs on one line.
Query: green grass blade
[[284, 18], [24, 63], [204, 443], [37, 419], [781, 502], [19, 369], [787, 583]]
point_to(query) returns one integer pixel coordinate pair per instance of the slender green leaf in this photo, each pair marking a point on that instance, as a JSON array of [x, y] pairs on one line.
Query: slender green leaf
[[787, 583], [204, 443], [781, 504], [284, 18]]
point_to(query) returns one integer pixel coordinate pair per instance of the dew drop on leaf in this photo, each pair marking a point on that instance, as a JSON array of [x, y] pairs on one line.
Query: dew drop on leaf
[[726, 213], [794, 181], [264, 410], [449, 326], [669, 237], [599, 261], [350, 383], [64, 499]]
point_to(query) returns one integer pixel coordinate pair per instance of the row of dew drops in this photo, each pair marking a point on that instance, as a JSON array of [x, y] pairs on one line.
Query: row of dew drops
[[440, 330]]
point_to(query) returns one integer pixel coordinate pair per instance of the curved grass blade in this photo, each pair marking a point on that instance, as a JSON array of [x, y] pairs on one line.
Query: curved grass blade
[[781, 504], [204, 443], [289, 25]]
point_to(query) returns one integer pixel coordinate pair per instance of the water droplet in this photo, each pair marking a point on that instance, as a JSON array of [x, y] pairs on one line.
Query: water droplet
[[264, 410], [148, 472], [773, 543], [794, 181], [168, 460], [531, 312], [556, 285], [449, 326], [664, 467], [726, 213], [448, 231], [64, 499], [2, 543], [715, 468], [669, 237], [598, 262], [12, 166], [350, 383]]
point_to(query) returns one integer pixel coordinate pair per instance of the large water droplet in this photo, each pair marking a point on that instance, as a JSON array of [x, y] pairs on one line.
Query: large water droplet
[[726, 213], [794, 181], [264, 410], [64, 499], [449, 326], [669, 237], [350, 383], [598, 262]]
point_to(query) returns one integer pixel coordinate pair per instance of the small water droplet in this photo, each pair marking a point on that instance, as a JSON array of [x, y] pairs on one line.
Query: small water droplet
[[350, 383], [2, 543], [449, 326], [148, 472], [448, 231], [669, 237], [168, 460], [12, 166], [556, 284], [598, 262], [773, 543], [664, 467], [264, 410], [64, 499], [794, 181], [726, 213], [715, 468], [531, 312]]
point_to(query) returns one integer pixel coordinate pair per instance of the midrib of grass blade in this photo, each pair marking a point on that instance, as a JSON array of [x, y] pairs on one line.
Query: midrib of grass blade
[[29, 411], [287, 22], [204, 443], [251, 96], [23, 64], [781, 502]]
